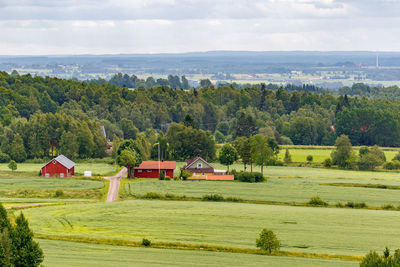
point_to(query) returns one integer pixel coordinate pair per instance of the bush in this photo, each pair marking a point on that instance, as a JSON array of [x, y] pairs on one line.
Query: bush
[[396, 157], [373, 259], [393, 165], [234, 199], [355, 205], [161, 175], [59, 193], [213, 197], [4, 158], [185, 174], [388, 207], [309, 158], [146, 242], [317, 201], [327, 163], [288, 157], [268, 241], [153, 195], [249, 177], [167, 179]]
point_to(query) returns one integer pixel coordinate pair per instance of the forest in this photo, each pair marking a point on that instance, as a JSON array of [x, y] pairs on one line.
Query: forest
[[41, 115]]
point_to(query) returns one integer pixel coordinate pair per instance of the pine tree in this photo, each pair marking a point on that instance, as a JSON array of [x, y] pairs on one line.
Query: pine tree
[[27, 251], [288, 157]]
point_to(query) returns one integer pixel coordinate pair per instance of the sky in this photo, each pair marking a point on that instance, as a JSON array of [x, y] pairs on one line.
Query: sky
[[45, 27]]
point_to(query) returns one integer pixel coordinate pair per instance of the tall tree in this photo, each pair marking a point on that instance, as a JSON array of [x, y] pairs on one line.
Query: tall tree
[[261, 153], [227, 155], [17, 150]]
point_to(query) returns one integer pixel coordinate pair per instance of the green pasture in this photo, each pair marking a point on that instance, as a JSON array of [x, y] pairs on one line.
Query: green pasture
[[96, 168], [299, 154], [275, 189], [304, 229], [71, 254], [40, 183]]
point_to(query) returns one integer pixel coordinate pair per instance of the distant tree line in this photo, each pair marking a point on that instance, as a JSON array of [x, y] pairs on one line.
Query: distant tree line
[[40, 115]]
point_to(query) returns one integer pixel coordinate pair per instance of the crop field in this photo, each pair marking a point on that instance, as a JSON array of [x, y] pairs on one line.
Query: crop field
[[72, 254], [300, 153], [304, 229], [96, 168], [40, 183], [275, 189]]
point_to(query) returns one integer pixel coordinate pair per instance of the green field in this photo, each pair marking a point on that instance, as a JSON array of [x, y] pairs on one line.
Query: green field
[[96, 168], [40, 183], [304, 229], [320, 154], [71, 254]]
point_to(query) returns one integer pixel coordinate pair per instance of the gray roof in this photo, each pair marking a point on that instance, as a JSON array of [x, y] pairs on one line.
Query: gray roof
[[63, 160]]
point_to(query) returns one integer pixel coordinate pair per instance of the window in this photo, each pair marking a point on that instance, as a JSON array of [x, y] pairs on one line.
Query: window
[[139, 170], [54, 161], [202, 173], [61, 175], [149, 170], [199, 165]]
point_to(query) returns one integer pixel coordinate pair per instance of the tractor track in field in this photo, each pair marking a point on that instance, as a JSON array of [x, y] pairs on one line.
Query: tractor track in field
[[114, 185]]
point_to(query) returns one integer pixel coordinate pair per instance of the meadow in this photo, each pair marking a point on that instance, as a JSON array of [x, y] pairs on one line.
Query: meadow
[[72, 254], [320, 153], [303, 229]]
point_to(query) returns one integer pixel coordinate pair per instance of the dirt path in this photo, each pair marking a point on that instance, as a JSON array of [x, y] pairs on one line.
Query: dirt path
[[29, 205], [114, 185]]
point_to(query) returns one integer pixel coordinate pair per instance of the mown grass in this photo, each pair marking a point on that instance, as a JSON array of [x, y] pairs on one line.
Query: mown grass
[[302, 229], [284, 184], [73, 254]]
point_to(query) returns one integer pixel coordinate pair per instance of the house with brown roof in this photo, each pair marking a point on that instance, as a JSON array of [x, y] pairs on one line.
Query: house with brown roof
[[202, 170], [150, 169]]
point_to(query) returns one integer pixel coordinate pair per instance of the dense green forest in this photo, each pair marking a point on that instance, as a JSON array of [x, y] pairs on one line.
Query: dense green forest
[[40, 114]]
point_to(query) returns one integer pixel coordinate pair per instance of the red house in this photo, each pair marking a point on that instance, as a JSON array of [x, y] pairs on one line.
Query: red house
[[60, 166], [149, 169]]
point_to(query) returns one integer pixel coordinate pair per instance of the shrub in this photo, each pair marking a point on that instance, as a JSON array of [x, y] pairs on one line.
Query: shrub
[[355, 205], [4, 158], [185, 174], [317, 201], [161, 175], [309, 158], [152, 195], [396, 157], [339, 205], [59, 193], [249, 177], [388, 207], [234, 199], [146, 242], [327, 163], [288, 157], [393, 165], [167, 179], [268, 241], [12, 165], [213, 197], [373, 259]]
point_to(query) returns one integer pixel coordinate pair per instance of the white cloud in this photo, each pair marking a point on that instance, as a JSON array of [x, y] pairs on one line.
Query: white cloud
[[135, 26]]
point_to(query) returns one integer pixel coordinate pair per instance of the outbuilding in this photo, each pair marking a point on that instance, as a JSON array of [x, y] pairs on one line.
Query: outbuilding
[[149, 169], [60, 166]]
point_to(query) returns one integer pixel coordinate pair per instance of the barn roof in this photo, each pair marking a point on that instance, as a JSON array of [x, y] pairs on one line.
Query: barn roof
[[153, 165], [66, 162]]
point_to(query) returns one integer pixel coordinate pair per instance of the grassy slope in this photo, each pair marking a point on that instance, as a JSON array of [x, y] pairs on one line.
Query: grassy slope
[[61, 253], [314, 230]]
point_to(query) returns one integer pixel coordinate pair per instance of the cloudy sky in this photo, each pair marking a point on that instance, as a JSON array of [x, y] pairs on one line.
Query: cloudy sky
[[169, 26]]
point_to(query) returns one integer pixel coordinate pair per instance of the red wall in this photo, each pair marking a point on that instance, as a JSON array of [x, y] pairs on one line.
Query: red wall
[[153, 173], [54, 169]]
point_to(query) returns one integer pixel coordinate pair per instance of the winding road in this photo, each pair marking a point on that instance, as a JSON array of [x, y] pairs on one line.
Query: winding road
[[114, 185]]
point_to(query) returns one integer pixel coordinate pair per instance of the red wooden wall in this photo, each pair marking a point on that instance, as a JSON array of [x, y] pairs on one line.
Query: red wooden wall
[[153, 173], [55, 169]]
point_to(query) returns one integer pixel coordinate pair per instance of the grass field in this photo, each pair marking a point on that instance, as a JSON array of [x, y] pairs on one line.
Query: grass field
[[304, 229], [71, 254], [275, 189], [299, 153], [34, 168]]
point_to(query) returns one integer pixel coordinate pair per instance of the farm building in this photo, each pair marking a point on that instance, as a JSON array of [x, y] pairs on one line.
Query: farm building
[[149, 169], [60, 166], [202, 170]]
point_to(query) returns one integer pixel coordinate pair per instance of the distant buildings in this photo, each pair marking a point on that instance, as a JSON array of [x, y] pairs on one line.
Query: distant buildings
[[202, 170], [60, 166], [150, 169]]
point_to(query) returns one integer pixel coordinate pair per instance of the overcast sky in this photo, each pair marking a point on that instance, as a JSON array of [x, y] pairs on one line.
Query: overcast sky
[[32, 27]]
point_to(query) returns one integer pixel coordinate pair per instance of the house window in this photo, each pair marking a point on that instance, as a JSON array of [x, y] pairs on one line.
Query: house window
[[61, 175], [54, 161], [139, 170], [199, 165], [202, 173], [149, 170]]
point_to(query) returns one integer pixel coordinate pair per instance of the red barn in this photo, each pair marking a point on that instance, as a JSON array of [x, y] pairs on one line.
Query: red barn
[[60, 166], [149, 169]]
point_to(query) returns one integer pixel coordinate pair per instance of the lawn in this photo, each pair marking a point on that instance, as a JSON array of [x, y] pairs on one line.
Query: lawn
[[71, 254], [96, 168], [305, 229]]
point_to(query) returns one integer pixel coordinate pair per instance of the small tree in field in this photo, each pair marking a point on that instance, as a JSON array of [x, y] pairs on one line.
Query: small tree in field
[[228, 155], [309, 158], [12, 165], [268, 241], [288, 157]]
